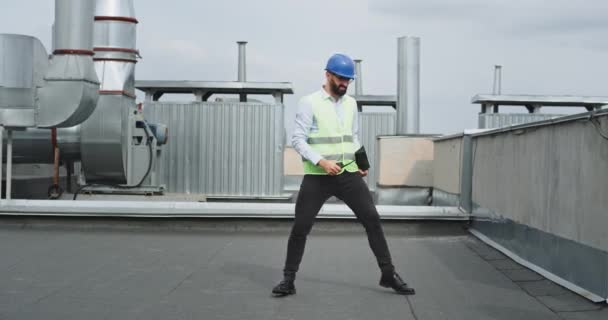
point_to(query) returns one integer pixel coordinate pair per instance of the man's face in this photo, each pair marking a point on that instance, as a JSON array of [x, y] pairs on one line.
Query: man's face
[[338, 84]]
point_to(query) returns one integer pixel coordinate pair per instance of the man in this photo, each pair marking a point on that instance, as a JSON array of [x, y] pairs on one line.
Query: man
[[325, 136]]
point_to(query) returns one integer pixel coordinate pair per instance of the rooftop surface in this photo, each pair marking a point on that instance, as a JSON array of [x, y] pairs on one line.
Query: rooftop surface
[[224, 269]]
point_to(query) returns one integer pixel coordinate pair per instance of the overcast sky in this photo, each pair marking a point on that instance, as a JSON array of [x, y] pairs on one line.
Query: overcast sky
[[545, 47]]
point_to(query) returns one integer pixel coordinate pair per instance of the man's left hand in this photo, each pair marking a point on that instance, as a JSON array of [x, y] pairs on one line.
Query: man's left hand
[[363, 173]]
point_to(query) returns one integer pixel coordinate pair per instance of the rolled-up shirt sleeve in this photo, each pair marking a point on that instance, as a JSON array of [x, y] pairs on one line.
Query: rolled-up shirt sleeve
[[303, 124]]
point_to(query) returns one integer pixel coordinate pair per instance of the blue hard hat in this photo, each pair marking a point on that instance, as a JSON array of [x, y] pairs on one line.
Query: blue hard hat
[[342, 65]]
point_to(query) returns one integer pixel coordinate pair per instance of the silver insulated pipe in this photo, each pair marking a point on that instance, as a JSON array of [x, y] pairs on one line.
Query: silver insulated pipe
[[359, 78], [242, 77], [408, 85], [74, 25], [69, 92], [104, 135], [34, 145]]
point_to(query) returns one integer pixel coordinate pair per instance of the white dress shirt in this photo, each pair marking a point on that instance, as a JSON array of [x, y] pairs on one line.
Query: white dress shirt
[[305, 124]]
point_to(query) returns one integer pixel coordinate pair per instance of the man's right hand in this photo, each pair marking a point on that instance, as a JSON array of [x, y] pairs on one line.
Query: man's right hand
[[330, 166]]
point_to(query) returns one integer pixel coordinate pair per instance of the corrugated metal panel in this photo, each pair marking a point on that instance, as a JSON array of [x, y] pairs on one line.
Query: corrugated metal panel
[[374, 124], [500, 120], [221, 149]]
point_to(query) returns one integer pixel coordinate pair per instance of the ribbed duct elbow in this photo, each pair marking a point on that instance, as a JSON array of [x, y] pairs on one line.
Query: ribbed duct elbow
[[71, 91]]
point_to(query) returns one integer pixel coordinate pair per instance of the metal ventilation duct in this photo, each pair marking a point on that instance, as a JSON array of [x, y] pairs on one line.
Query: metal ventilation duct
[[104, 141], [358, 78], [62, 93], [242, 61], [23, 64], [109, 142], [408, 85], [115, 144], [34, 145], [70, 94]]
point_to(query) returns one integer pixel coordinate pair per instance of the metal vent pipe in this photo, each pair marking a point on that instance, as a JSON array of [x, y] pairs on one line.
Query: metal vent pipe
[[497, 88], [74, 26], [359, 78], [242, 77], [408, 85]]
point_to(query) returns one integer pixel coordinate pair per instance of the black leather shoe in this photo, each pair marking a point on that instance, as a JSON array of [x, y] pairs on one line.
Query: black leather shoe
[[394, 281], [283, 289]]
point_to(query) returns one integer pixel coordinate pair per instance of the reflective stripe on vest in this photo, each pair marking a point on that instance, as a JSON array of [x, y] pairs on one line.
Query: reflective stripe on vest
[[330, 140], [338, 157]]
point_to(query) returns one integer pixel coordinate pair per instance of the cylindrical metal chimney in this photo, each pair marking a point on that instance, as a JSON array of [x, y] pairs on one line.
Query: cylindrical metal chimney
[[408, 85], [105, 135], [73, 27], [115, 46], [359, 78], [497, 88], [242, 61]]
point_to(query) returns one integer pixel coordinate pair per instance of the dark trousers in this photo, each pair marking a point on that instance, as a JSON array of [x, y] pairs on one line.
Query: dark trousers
[[348, 187]]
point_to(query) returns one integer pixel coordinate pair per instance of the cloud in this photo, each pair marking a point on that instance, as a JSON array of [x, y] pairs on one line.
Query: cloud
[[435, 9], [557, 24], [183, 50], [545, 46]]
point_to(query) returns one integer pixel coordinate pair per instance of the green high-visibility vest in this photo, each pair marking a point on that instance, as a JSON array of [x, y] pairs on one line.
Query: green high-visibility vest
[[333, 140]]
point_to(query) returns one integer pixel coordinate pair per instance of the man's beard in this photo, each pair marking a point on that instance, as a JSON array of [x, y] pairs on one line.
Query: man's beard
[[337, 89]]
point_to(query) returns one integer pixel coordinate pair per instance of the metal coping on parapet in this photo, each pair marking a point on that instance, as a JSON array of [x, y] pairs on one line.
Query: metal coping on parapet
[[431, 136], [376, 100], [534, 102], [154, 89], [565, 119]]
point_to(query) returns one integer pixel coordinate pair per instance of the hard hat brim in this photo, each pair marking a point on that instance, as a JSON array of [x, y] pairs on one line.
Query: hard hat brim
[[351, 77]]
